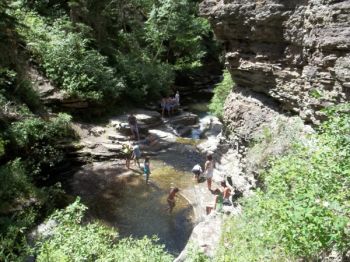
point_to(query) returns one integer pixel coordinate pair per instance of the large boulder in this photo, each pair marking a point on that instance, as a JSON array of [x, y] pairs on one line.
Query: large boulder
[[185, 119], [145, 119]]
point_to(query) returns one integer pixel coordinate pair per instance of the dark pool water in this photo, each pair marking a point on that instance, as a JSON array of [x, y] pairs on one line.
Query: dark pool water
[[136, 209], [141, 211]]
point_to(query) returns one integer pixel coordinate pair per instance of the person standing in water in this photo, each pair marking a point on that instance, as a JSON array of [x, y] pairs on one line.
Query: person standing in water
[[136, 154], [127, 152], [209, 170], [171, 199], [146, 168]]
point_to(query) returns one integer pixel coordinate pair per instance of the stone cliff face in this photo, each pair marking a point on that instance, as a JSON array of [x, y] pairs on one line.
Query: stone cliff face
[[295, 52]]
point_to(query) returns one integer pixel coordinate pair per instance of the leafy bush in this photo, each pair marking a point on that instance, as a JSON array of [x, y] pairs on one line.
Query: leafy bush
[[72, 241], [221, 91], [65, 56], [305, 210], [144, 78], [36, 140], [175, 33], [15, 184], [15, 190], [13, 234]]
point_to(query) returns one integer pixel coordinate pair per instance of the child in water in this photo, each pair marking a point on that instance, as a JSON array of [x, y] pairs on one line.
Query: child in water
[[146, 168], [171, 199]]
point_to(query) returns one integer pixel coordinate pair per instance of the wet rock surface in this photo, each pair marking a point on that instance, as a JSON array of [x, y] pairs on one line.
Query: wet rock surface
[[102, 145]]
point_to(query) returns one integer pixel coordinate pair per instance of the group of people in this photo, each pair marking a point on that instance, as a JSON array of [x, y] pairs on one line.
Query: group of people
[[169, 104], [133, 152], [222, 195]]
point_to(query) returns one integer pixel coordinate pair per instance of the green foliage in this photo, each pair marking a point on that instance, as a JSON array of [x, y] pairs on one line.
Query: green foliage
[[66, 58], [36, 140], [315, 93], [221, 91], [143, 77], [195, 255], [15, 184], [72, 241], [13, 234], [305, 209], [15, 190], [2, 145], [175, 33]]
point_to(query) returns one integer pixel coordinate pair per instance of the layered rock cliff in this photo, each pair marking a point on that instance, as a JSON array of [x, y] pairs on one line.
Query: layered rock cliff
[[295, 54]]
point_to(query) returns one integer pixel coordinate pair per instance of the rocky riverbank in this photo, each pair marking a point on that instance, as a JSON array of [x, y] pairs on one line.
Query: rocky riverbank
[[101, 146]]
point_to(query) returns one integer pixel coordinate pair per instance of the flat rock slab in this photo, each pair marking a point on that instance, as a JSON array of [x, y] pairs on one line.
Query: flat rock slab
[[185, 119]]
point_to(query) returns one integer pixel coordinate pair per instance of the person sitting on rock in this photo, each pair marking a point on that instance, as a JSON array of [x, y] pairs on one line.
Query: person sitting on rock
[[226, 193], [168, 105], [150, 140], [133, 126], [173, 105]]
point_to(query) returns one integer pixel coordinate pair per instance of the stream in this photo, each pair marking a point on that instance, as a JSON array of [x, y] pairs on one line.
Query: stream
[[120, 198]]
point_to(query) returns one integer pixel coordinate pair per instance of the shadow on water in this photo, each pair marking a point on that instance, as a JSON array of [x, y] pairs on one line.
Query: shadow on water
[[135, 208], [120, 198]]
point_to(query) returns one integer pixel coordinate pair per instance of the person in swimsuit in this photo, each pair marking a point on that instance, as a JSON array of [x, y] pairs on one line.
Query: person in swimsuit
[[171, 199], [226, 193], [209, 169]]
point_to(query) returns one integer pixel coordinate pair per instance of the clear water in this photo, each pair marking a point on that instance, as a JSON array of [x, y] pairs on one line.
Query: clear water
[[141, 211], [137, 209]]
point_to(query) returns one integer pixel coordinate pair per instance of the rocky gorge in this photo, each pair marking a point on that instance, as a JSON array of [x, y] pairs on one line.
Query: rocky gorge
[[294, 53], [289, 60]]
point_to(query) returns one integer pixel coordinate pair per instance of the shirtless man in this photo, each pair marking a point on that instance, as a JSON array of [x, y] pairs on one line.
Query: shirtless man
[[226, 192], [171, 199], [222, 197]]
